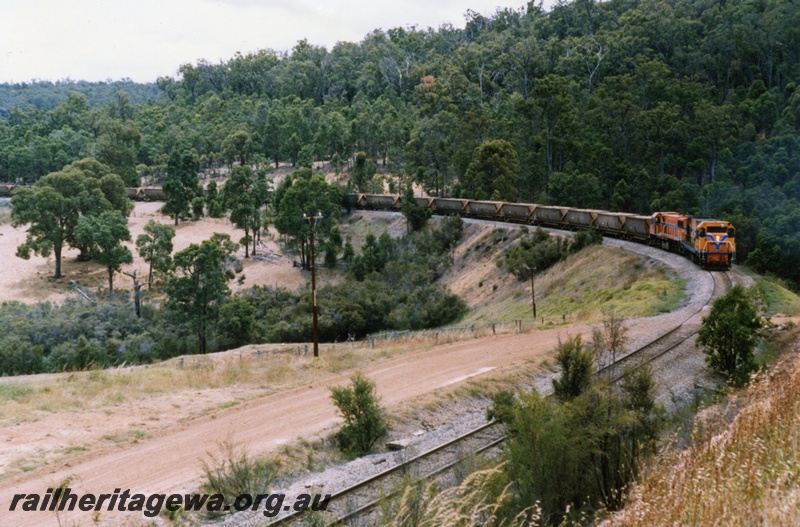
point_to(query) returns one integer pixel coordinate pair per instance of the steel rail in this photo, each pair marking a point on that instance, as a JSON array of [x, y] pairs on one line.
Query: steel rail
[[375, 502], [400, 466]]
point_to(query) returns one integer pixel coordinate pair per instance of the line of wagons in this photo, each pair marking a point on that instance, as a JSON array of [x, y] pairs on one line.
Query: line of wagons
[[709, 243]]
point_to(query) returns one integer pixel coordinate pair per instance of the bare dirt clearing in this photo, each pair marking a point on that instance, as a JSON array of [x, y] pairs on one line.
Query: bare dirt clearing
[[31, 280]]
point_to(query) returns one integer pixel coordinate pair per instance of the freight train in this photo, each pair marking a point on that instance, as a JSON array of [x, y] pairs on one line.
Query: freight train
[[709, 243]]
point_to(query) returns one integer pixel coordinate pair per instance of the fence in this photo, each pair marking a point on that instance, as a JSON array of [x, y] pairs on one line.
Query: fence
[[461, 332]]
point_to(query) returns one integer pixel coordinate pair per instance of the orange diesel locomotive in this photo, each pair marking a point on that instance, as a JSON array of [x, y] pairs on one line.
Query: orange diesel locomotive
[[711, 243]]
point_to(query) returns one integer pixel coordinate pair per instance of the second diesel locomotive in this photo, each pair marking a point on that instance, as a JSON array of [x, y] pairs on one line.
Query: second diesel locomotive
[[710, 243]]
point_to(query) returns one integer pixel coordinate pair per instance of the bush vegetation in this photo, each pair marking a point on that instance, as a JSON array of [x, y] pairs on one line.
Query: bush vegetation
[[232, 472], [398, 292], [570, 455], [632, 106], [391, 285], [364, 420], [81, 335], [540, 251], [729, 335]]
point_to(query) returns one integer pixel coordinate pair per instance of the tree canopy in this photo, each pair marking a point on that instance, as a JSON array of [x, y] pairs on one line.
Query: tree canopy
[[200, 283], [307, 194], [103, 234], [638, 106], [244, 195], [53, 206], [155, 247]]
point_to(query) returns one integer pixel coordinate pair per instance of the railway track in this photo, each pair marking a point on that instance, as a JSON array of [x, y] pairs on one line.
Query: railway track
[[361, 499], [671, 339]]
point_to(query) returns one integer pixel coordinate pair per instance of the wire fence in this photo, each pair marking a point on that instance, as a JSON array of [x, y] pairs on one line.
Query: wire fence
[[452, 333]]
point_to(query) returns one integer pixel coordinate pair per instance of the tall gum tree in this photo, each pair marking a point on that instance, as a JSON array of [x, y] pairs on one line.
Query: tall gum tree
[[51, 208], [199, 285], [103, 234]]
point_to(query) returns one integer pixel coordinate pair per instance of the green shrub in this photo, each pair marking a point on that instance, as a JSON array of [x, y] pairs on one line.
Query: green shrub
[[233, 472], [729, 335], [576, 369], [540, 251], [364, 419]]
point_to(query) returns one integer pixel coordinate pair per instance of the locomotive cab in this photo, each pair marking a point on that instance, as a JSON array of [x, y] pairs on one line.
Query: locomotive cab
[[714, 242]]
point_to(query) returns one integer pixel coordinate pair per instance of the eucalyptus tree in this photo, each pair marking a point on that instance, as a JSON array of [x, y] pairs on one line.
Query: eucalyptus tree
[[155, 247], [103, 234], [53, 205], [181, 184], [244, 195], [199, 285], [307, 194]]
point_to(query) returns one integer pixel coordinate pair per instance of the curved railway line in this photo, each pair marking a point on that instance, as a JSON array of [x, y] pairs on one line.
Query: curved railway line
[[362, 498]]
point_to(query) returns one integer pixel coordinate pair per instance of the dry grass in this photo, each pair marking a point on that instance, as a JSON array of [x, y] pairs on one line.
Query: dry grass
[[578, 289], [275, 369], [742, 472], [776, 296], [478, 500]]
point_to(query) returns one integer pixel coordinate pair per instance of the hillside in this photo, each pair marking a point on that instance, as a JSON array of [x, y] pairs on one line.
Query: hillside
[[742, 464], [576, 290], [93, 426], [637, 106]]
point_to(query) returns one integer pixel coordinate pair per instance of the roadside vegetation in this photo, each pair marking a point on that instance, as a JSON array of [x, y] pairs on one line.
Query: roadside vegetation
[[365, 422], [597, 454], [741, 466], [565, 458]]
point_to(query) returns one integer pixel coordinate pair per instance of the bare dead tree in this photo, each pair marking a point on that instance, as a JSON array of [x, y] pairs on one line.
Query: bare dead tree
[[611, 338], [137, 293]]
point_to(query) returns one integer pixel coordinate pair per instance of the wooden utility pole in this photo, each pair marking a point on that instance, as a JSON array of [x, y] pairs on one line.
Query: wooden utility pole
[[312, 220], [137, 293], [533, 291]]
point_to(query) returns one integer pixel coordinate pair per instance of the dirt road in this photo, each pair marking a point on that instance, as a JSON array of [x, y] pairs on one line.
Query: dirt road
[[172, 461]]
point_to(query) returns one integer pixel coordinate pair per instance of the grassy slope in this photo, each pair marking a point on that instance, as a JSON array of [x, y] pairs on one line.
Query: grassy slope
[[742, 472], [580, 289], [739, 471], [777, 298]]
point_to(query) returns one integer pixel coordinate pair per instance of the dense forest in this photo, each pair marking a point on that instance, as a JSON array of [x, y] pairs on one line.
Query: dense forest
[[47, 95], [632, 105]]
